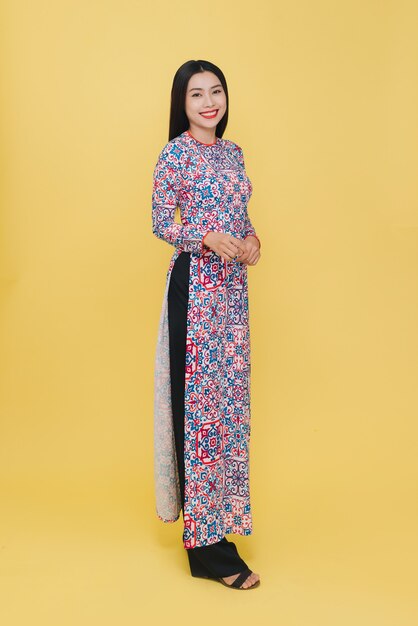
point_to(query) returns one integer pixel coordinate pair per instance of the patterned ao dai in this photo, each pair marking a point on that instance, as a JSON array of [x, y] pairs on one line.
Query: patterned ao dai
[[209, 184]]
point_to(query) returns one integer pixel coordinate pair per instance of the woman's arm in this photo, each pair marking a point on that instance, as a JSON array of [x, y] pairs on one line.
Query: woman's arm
[[165, 199], [248, 230]]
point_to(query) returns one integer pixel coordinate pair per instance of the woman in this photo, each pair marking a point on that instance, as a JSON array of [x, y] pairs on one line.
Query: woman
[[202, 370]]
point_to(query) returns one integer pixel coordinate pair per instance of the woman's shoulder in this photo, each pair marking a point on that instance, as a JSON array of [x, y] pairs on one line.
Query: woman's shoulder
[[236, 151], [233, 146], [173, 150]]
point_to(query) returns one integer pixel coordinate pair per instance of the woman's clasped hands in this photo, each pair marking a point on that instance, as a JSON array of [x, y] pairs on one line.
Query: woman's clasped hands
[[231, 248]]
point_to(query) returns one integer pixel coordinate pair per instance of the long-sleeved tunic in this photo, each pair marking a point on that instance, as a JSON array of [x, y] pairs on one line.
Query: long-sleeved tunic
[[209, 184]]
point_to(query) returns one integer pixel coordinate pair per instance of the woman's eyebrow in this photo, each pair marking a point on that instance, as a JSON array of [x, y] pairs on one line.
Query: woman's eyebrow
[[200, 88]]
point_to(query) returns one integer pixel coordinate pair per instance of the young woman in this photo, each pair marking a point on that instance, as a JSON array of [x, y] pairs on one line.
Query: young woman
[[202, 368]]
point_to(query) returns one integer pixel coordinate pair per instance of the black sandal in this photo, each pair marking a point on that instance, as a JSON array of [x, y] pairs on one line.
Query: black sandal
[[239, 581], [198, 570]]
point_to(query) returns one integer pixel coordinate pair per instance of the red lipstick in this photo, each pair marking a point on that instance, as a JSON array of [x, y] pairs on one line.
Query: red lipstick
[[210, 114]]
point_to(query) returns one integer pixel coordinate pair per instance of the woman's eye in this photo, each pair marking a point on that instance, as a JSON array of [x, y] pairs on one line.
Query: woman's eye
[[198, 94]]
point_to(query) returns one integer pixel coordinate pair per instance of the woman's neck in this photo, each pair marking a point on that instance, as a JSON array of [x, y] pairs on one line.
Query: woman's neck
[[204, 136]]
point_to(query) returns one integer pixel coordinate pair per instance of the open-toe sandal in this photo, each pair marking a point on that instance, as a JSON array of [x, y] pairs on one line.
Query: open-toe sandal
[[239, 581]]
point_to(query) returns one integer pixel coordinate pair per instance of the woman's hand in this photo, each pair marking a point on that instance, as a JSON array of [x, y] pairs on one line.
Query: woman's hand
[[251, 253], [226, 246]]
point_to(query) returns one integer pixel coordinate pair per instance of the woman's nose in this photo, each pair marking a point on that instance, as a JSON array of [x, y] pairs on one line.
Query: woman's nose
[[208, 100]]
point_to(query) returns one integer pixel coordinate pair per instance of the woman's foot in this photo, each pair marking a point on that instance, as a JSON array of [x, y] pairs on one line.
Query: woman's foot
[[248, 582]]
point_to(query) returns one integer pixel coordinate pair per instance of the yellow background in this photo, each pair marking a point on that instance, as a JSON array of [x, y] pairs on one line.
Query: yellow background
[[323, 101]]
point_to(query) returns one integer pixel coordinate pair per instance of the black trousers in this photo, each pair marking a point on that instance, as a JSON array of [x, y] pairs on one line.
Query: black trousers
[[218, 559]]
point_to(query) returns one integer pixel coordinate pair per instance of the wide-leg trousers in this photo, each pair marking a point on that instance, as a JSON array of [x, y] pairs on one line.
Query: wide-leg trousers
[[219, 559]]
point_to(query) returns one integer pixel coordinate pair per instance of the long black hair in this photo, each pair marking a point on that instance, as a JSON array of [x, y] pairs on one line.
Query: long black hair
[[178, 119]]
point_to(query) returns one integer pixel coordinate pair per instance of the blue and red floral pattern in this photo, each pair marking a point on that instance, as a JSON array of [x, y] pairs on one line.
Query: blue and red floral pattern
[[209, 184]]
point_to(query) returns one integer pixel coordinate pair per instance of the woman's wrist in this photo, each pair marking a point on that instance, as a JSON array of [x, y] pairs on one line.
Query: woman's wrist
[[255, 237], [205, 236]]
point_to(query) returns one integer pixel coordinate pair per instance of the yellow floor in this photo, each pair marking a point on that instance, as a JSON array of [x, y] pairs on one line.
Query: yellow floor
[[89, 554]]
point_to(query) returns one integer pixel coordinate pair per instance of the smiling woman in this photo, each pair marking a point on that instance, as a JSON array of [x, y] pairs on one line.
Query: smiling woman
[[202, 368]]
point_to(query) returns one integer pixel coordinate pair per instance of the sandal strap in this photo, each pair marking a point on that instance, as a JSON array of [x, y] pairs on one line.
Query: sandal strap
[[241, 578]]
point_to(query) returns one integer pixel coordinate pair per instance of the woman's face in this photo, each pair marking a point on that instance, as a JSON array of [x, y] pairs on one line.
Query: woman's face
[[205, 102]]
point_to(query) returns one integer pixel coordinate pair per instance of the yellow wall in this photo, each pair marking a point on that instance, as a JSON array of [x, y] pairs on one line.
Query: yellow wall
[[324, 101]]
